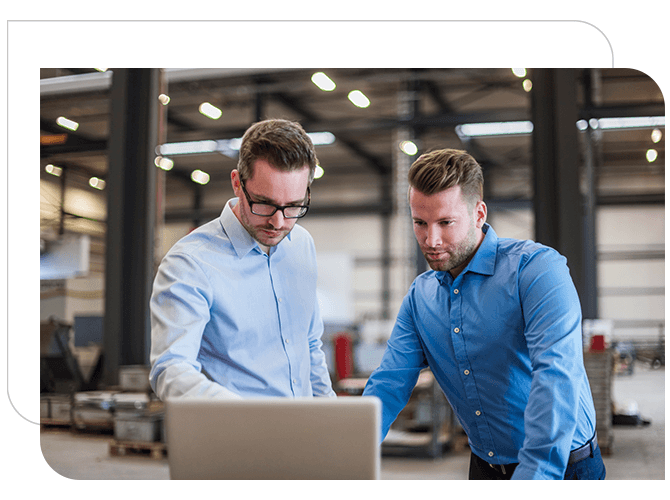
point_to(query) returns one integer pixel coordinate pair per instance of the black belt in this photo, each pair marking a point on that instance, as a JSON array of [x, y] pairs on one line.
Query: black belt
[[577, 455]]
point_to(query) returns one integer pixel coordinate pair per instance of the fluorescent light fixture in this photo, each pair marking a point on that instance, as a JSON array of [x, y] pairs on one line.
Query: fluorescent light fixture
[[226, 146], [321, 138], [527, 85], [187, 148], [164, 99], [409, 148], [494, 128], [53, 170], [210, 111], [630, 122], [359, 99], [97, 183], [200, 177], [652, 154], [318, 172], [66, 123], [519, 72], [233, 144], [322, 81]]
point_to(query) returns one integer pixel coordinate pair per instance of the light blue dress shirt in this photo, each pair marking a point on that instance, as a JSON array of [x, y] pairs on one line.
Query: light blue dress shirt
[[229, 320], [504, 343]]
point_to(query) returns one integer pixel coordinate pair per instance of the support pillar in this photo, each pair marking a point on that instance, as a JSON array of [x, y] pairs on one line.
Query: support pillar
[[559, 201], [131, 214]]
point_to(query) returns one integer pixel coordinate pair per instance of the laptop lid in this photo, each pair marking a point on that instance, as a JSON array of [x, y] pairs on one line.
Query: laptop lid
[[274, 438]]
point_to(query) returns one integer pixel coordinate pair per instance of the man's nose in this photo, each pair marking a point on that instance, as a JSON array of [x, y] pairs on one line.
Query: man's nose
[[277, 219], [433, 237]]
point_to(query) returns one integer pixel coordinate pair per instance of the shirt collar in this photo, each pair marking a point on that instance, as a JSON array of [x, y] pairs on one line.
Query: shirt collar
[[239, 237], [484, 260]]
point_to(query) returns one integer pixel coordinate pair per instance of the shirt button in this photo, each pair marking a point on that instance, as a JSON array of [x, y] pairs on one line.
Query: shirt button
[[456, 330], [490, 453], [286, 340], [478, 413], [456, 291], [279, 299], [467, 372], [295, 381]]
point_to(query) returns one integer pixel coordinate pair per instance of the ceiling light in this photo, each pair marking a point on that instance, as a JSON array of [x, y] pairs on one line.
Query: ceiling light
[[318, 172], [200, 177], [97, 183], [656, 135], [527, 85], [188, 148], [652, 154], [321, 138], [582, 125], [68, 124], [359, 99], [494, 128], [101, 70], [322, 81], [632, 122], [409, 148], [210, 111], [164, 99], [54, 170], [520, 72], [164, 163]]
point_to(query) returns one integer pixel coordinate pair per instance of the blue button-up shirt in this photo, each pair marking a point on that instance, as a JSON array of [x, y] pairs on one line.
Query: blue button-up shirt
[[229, 320], [503, 340]]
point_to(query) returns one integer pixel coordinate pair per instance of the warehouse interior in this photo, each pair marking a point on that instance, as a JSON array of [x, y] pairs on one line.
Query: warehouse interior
[[131, 160]]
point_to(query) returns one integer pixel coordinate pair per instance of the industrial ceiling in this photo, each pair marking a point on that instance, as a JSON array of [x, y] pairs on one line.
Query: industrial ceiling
[[425, 105]]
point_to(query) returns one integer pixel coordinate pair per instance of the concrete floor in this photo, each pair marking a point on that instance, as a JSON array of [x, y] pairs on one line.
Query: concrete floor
[[638, 452]]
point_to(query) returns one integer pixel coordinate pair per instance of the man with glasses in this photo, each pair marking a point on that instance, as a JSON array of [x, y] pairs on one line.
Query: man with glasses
[[234, 311]]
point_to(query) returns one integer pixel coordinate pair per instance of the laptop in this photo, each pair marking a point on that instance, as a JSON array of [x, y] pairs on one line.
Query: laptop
[[273, 438]]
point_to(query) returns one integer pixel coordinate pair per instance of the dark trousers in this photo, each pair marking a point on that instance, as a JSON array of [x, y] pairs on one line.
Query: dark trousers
[[591, 467]]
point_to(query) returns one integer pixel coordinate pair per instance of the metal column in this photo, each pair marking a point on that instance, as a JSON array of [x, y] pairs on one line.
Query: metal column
[[558, 198], [131, 212]]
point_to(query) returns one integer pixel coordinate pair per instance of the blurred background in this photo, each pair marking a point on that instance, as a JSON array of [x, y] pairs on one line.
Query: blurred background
[[131, 160]]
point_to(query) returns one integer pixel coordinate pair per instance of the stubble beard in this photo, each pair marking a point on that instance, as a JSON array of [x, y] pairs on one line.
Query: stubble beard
[[258, 232], [457, 254]]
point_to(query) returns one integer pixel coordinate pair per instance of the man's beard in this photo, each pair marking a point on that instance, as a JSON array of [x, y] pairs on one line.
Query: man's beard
[[458, 254], [258, 232]]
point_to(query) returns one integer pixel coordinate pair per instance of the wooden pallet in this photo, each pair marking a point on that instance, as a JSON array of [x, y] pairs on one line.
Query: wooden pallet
[[48, 423], [156, 450]]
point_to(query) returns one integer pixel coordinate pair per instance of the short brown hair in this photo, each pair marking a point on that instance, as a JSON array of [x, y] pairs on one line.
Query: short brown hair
[[445, 168], [283, 144]]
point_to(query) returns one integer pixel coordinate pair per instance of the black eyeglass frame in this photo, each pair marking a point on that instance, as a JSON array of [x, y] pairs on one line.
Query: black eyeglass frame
[[277, 207]]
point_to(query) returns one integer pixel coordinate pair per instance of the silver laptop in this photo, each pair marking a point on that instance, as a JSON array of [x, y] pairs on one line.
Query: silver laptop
[[274, 438]]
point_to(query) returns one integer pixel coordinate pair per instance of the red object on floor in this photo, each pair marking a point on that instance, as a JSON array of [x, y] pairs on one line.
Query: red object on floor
[[598, 343], [344, 363]]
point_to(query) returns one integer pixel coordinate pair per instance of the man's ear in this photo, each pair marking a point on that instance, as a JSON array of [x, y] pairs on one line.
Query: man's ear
[[235, 182], [480, 214]]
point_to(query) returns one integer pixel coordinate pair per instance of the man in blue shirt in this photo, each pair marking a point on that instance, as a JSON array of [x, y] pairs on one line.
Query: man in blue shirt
[[498, 322], [234, 312]]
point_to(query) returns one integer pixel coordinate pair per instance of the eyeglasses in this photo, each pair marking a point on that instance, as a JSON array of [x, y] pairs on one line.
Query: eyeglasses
[[268, 209]]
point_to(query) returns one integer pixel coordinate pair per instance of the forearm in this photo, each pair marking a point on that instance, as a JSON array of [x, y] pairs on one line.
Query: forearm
[[177, 379]]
